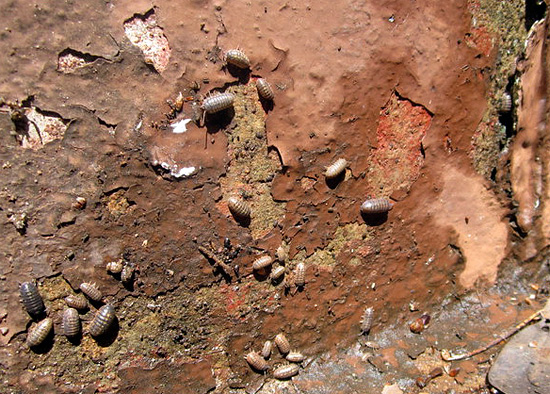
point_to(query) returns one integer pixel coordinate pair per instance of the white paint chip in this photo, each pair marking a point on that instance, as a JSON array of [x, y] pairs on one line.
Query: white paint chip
[[180, 127]]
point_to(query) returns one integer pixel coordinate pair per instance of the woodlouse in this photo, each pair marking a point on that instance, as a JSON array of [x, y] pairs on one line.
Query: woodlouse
[[366, 321], [256, 361], [115, 267], [218, 102], [237, 58], [103, 319], [71, 323], [92, 291], [127, 274], [76, 301], [264, 89], [40, 332], [31, 298], [376, 205], [300, 275], [295, 357], [286, 371], [282, 343], [336, 169], [277, 273], [505, 103], [239, 209], [266, 349], [262, 262], [281, 254]]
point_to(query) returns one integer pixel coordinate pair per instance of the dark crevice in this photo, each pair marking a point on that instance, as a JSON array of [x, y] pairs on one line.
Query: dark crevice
[[87, 57], [535, 10], [106, 124]]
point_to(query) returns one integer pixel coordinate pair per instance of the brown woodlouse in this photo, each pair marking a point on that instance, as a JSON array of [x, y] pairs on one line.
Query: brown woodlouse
[[300, 275], [266, 349], [286, 371], [40, 332], [115, 267], [103, 319], [277, 273], [264, 89], [239, 209], [366, 321], [127, 274], [237, 58], [256, 361], [218, 102], [376, 205], [71, 323], [31, 298], [295, 357], [505, 103], [282, 343], [91, 290], [336, 169], [76, 301], [262, 263]]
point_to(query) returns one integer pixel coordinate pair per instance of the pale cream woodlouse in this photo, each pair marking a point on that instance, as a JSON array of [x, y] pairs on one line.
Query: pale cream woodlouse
[[295, 357], [71, 323], [281, 254], [31, 298], [266, 349], [264, 89], [300, 275], [237, 58], [218, 102], [92, 291], [262, 263], [103, 319], [376, 205], [238, 208], [282, 343], [366, 321], [505, 102], [40, 332], [256, 361], [115, 267], [277, 273], [76, 301], [336, 169], [286, 371], [127, 274]]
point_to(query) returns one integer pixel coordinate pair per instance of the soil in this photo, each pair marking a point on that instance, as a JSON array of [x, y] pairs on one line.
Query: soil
[[107, 155]]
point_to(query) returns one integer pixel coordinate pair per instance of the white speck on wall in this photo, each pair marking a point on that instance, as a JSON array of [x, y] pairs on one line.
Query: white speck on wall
[[181, 126], [182, 172]]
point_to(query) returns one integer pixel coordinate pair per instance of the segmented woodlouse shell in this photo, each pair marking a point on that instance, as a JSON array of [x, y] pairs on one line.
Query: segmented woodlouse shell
[[71, 323], [366, 321], [256, 361], [295, 357], [264, 89], [300, 275], [286, 371], [376, 205], [336, 168], [239, 209], [92, 291], [115, 267], [218, 102], [262, 262], [31, 298], [40, 332], [127, 274], [282, 343], [277, 273], [76, 301], [281, 254], [505, 103], [103, 319], [266, 349], [237, 58]]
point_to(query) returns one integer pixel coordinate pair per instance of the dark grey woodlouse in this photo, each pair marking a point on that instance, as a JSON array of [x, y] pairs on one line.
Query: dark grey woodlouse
[[76, 301], [366, 321], [286, 371], [376, 205], [505, 102], [264, 89], [266, 349], [256, 361], [277, 273], [127, 274], [295, 357], [237, 58], [218, 102], [115, 267], [300, 275], [40, 332], [103, 319], [282, 343], [336, 169], [31, 298], [262, 262], [92, 291], [238, 208], [71, 323]]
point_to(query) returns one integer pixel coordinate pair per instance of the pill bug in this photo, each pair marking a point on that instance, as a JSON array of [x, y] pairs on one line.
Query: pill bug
[[281, 254], [103, 319], [127, 274], [76, 301], [376, 205], [239, 209], [282, 343], [300, 275], [277, 273], [71, 323], [505, 103], [91, 290], [256, 361], [262, 262], [218, 102], [264, 89], [336, 169], [295, 357], [40, 332], [286, 371], [31, 298], [237, 58], [366, 321], [266, 349], [115, 267]]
